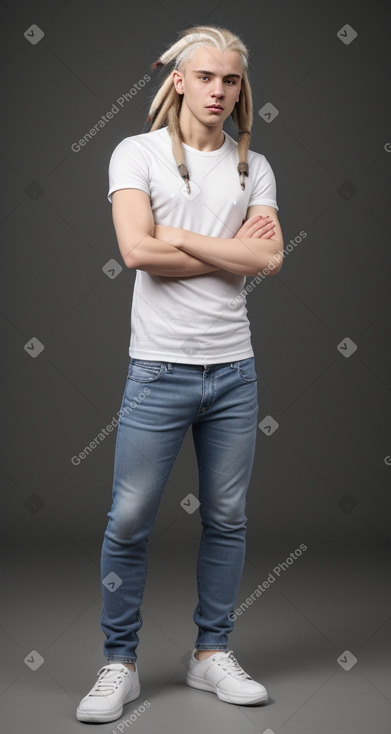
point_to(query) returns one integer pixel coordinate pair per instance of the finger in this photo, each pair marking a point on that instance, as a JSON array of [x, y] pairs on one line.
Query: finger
[[251, 231], [268, 235], [248, 224], [260, 231], [259, 225], [252, 225], [257, 219], [265, 234]]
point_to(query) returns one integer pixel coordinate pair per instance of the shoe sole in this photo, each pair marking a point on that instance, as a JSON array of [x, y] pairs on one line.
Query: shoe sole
[[106, 716], [238, 698]]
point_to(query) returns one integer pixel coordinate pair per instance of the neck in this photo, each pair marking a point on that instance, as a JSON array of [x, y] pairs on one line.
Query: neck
[[197, 134]]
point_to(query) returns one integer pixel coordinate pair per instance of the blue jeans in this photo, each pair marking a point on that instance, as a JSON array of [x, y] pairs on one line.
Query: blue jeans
[[161, 400]]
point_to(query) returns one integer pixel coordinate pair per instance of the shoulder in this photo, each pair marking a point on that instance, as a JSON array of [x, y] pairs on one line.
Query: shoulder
[[256, 160], [143, 141], [259, 161]]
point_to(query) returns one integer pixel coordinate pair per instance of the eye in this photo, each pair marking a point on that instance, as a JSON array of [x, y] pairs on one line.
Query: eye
[[232, 82]]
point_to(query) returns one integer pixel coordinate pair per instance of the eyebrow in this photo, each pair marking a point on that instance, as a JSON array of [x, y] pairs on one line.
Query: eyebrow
[[210, 73]]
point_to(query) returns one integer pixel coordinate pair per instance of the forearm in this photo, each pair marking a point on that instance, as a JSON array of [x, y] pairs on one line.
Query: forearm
[[158, 258], [243, 256]]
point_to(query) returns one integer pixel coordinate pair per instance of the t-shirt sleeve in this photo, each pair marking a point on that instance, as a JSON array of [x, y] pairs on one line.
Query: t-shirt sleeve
[[128, 168], [264, 188]]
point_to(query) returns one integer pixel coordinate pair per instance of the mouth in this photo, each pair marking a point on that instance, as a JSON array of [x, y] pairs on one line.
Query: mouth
[[215, 108]]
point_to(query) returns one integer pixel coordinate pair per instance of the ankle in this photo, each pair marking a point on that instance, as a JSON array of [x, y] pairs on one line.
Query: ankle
[[129, 666], [204, 654]]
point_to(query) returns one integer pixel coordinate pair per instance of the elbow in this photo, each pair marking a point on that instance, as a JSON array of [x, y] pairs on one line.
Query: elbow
[[278, 260], [131, 262], [135, 254], [270, 258], [133, 257], [275, 261], [271, 267], [128, 254]]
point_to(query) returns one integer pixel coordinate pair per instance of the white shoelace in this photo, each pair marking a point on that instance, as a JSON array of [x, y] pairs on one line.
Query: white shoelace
[[108, 681], [231, 666]]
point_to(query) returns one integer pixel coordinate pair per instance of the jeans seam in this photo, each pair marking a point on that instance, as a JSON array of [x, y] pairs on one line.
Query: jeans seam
[[244, 379], [202, 538], [117, 438], [155, 378]]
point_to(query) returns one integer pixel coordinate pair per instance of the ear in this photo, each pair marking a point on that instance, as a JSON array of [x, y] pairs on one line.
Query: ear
[[178, 81]]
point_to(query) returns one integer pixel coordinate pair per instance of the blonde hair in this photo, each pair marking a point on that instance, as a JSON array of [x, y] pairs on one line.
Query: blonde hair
[[166, 105]]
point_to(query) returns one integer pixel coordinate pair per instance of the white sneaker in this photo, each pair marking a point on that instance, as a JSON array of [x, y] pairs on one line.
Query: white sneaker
[[115, 686], [222, 674]]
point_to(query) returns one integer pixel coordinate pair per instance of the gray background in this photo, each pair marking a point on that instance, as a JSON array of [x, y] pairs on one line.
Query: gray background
[[322, 478]]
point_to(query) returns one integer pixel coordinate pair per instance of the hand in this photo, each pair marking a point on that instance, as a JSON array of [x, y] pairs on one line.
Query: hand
[[257, 226]]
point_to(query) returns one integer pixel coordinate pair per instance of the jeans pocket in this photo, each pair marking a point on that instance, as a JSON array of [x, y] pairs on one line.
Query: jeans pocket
[[145, 370], [246, 370]]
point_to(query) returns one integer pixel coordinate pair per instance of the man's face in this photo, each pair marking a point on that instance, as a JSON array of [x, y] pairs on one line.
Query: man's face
[[211, 77]]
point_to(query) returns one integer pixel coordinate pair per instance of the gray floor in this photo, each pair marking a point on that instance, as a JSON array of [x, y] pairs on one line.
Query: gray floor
[[328, 604]]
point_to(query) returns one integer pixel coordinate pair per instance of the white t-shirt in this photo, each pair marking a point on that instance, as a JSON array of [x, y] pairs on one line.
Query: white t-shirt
[[189, 320]]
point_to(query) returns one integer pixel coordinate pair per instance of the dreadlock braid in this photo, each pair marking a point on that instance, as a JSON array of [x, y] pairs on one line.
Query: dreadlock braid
[[242, 115], [166, 105]]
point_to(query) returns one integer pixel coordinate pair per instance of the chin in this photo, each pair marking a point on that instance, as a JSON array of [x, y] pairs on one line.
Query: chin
[[215, 119]]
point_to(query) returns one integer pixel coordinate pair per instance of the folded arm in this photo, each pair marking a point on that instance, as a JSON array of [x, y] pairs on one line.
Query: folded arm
[[134, 227], [248, 253], [179, 253]]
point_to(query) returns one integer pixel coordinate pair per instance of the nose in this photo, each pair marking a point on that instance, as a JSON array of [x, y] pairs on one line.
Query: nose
[[218, 89]]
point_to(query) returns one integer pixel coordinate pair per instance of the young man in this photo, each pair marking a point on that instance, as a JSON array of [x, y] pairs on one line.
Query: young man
[[190, 351]]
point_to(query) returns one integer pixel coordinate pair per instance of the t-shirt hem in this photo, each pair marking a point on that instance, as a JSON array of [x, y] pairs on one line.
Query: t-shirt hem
[[125, 186], [264, 202], [184, 359]]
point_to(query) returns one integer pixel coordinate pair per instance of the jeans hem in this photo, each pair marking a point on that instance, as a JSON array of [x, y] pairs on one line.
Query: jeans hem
[[210, 647]]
